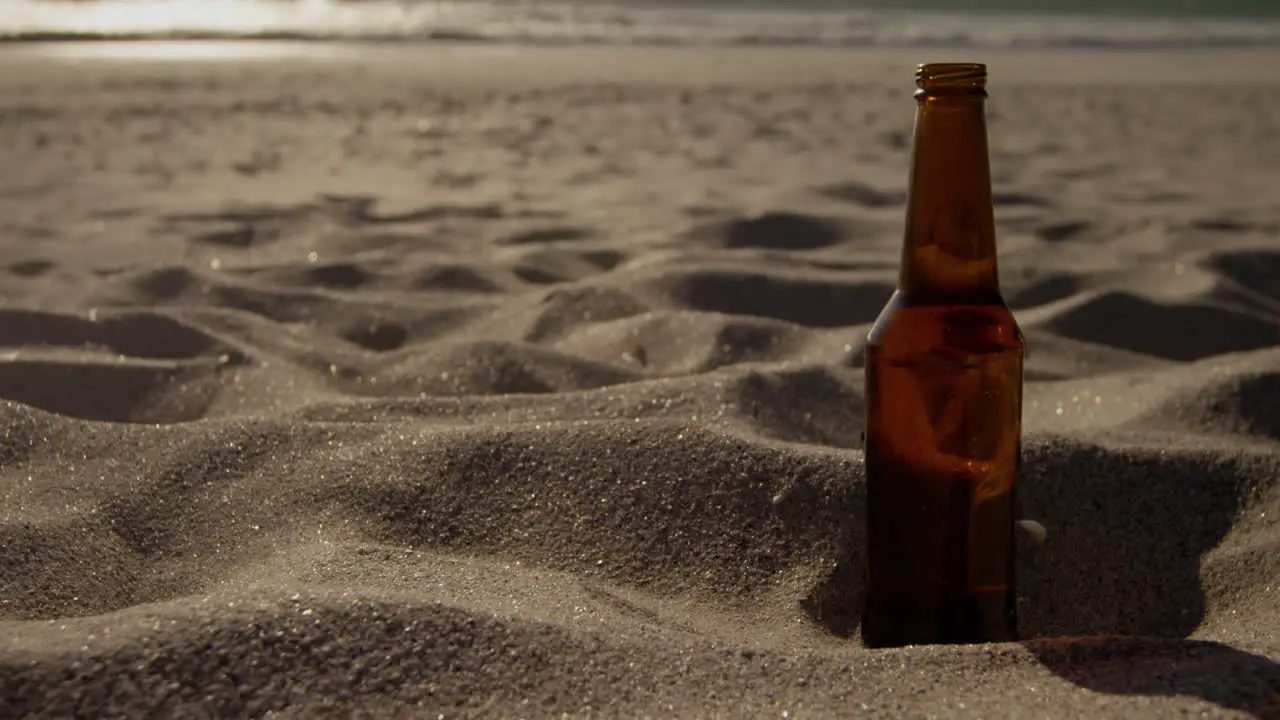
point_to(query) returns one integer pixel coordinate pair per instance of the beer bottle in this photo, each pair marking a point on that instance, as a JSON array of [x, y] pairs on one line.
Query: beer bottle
[[944, 395]]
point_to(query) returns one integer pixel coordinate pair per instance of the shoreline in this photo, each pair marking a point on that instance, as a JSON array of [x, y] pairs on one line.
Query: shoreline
[[492, 63]]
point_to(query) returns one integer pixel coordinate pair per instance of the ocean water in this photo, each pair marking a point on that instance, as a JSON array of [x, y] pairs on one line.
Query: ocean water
[[850, 23]]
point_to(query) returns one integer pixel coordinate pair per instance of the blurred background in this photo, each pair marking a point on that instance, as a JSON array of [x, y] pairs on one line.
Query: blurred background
[[860, 23]]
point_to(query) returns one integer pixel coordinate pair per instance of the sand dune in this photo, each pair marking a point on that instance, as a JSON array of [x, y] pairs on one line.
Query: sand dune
[[409, 388]]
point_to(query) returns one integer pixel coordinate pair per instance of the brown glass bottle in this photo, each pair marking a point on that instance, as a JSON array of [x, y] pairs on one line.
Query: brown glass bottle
[[944, 395]]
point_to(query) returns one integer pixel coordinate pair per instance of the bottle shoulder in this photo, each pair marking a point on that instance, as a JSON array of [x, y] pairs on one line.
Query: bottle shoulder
[[909, 325]]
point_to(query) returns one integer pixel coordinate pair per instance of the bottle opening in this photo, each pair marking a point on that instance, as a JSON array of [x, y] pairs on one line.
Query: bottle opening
[[951, 78]]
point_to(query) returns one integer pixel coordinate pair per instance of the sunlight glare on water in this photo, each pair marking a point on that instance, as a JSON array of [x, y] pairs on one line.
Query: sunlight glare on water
[[215, 17]]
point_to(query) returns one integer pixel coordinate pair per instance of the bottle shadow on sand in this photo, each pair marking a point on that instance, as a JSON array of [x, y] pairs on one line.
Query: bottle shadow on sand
[[1110, 598], [1107, 601]]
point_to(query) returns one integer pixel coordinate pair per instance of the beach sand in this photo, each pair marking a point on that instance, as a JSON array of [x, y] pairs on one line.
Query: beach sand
[[480, 381]]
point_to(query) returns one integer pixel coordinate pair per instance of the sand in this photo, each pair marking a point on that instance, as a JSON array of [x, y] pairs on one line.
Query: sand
[[465, 381]]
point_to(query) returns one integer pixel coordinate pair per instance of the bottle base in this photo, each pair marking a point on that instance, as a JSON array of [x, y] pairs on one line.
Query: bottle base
[[981, 617]]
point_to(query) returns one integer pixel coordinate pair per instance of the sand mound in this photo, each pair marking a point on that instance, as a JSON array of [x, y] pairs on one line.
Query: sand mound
[[555, 406]]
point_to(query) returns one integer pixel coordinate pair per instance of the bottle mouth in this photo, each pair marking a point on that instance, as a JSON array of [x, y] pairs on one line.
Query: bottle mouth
[[952, 78]]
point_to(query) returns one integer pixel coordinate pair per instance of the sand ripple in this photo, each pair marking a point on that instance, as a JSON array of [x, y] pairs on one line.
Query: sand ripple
[[521, 401]]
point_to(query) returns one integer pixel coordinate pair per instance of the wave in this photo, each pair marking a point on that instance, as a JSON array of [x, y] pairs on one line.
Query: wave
[[565, 23]]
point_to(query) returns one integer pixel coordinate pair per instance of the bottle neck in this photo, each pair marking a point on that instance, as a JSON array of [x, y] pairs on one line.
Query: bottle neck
[[949, 250]]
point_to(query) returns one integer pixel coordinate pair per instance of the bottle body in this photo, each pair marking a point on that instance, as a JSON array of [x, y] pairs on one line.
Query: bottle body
[[943, 393], [943, 448]]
